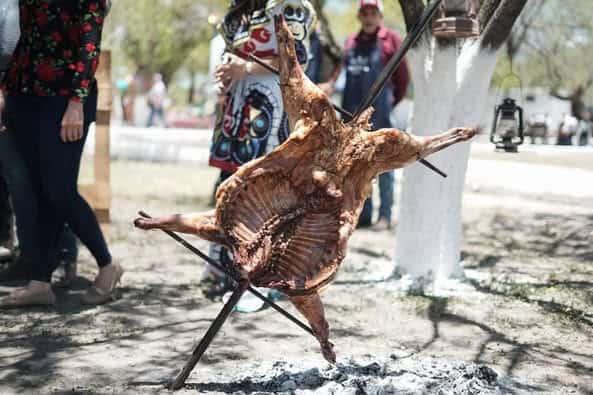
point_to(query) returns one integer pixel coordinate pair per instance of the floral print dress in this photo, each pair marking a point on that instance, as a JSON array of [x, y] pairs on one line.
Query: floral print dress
[[58, 50]]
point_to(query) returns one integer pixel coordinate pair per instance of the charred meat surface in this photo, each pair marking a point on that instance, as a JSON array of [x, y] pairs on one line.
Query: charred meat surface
[[287, 217]]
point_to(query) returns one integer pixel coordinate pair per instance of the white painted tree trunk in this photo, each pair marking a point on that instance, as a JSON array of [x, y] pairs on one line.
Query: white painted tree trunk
[[450, 89]]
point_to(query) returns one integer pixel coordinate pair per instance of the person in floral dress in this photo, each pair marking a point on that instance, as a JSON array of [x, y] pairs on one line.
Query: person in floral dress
[[51, 99]]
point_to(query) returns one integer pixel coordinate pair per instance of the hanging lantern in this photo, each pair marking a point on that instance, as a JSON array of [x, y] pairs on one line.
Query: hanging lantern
[[457, 19], [507, 127]]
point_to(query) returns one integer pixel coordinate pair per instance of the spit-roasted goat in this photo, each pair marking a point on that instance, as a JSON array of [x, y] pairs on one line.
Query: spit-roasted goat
[[287, 217]]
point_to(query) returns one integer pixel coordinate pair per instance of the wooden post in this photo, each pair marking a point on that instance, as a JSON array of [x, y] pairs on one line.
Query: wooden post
[[98, 194]]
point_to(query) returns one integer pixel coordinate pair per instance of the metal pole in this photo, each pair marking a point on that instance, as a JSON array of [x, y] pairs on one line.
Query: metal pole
[[224, 270], [209, 336], [346, 114]]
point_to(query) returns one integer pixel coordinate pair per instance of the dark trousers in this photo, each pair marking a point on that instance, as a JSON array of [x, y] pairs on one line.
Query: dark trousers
[[5, 212], [15, 185], [386, 185], [24, 200], [53, 168], [68, 247]]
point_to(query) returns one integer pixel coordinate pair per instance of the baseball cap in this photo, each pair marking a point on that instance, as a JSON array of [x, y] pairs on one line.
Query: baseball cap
[[371, 3]]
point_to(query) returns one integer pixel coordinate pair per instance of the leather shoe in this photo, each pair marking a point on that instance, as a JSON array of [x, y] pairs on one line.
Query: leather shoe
[[96, 295]]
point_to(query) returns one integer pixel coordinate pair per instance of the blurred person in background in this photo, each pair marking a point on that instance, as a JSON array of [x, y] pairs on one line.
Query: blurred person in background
[[365, 55], [585, 128], [567, 129], [157, 101]]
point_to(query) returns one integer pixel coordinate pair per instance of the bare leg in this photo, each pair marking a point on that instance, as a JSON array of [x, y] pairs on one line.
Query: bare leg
[[311, 307], [201, 224]]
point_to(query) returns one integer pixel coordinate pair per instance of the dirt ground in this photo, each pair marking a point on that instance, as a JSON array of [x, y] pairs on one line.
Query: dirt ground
[[525, 309]]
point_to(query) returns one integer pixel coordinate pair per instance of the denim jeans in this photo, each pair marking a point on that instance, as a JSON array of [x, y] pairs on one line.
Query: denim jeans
[[386, 193], [154, 113]]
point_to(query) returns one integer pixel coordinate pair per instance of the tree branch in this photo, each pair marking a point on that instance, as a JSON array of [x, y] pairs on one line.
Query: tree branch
[[552, 71], [328, 40], [525, 24], [487, 8], [554, 93], [501, 23], [412, 9], [588, 83]]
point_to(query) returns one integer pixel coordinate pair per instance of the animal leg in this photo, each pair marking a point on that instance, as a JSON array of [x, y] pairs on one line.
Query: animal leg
[[201, 224], [311, 307], [301, 97], [432, 144], [395, 149]]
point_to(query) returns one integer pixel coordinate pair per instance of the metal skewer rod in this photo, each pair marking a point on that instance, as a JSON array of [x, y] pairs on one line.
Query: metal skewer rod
[[274, 70], [346, 114], [208, 337], [219, 267]]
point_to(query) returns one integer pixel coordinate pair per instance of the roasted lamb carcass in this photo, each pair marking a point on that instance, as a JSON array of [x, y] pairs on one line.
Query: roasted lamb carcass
[[287, 217]]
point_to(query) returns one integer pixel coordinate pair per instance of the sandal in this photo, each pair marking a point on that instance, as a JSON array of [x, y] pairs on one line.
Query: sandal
[[95, 295]]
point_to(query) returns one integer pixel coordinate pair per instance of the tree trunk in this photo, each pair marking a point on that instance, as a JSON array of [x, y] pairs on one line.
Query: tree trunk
[[192, 88], [429, 221], [450, 89]]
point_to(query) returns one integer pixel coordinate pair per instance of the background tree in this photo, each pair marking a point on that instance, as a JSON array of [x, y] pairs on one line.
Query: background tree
[[159, 34], [451, 80], [556, 46], [332, 50]]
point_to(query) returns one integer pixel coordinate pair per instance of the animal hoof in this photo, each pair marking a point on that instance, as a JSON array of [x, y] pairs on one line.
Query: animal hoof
[[143, 223], [465, 133], [328, 353]]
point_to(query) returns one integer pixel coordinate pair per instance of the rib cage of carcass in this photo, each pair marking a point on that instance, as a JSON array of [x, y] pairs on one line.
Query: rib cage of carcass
[[287, 217]]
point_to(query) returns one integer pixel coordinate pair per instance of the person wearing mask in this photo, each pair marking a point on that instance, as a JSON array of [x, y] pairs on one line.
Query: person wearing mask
[[51, 99], [365, 55]]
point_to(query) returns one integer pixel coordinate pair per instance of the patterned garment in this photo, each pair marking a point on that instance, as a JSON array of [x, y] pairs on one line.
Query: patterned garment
[[58, 51], [254, 122]]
